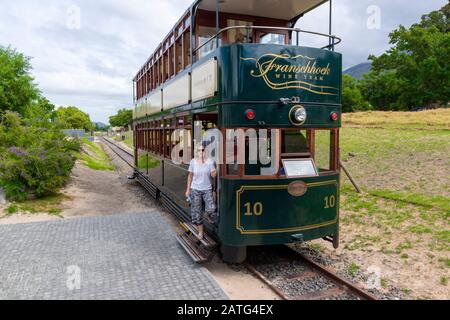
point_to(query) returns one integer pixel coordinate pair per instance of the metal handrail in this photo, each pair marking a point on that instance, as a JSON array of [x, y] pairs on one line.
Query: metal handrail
[[332, 44]]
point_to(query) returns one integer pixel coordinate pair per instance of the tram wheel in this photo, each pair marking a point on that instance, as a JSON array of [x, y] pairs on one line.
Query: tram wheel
[[234, 254]]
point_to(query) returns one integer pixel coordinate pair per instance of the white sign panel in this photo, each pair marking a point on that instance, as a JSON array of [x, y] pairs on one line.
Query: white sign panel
[[204, 80]]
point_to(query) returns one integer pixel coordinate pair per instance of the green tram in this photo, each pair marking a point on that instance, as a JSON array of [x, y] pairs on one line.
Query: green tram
[[240, 64]]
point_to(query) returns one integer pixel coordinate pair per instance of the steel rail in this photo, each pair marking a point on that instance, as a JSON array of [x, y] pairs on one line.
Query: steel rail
[[129, 154], [341, 283], [336, 278]]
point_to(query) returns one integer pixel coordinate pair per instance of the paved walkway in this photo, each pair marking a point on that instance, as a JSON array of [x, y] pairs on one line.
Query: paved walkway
[[133, 256]]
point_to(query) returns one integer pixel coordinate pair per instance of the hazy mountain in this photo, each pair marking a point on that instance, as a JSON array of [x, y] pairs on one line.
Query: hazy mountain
[[359, 70], [100, 124]]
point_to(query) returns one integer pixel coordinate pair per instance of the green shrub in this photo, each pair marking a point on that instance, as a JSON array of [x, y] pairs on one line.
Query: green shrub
[[11, 209], [34, 159]]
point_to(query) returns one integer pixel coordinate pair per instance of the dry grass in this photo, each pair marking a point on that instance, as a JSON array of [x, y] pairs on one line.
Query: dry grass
[[401, 222], [438, 119]]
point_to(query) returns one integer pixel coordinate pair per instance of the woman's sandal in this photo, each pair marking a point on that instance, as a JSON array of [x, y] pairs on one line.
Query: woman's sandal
[[209, 219], [198, 237]]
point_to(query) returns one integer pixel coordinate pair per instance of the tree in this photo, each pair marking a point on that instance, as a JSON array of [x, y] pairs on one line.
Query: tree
[[41, 111], [17, 89], [33, 159], [415, 71], [383, 90], [73, 118], [352, 99], [101, 127], [123, 118]]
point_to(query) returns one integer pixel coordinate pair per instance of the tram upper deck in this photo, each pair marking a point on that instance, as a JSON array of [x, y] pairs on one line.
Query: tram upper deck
[[233, 51]]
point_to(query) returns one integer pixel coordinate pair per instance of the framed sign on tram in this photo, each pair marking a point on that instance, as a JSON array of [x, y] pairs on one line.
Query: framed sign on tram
[[298, 168]]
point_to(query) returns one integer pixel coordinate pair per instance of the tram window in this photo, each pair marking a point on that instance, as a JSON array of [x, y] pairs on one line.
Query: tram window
[[323, 150], [187, 22], [295, 142], [204, 34], [231, 158], [161, 71], [254, 145], [179, 54], [172, 60], [169, 63], [187, 48], [272, 38], [240, 35]]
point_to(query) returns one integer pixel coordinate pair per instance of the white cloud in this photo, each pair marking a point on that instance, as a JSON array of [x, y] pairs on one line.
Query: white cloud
[[92, 67]]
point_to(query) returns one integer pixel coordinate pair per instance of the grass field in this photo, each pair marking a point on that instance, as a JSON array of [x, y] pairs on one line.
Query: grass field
[[426, 120], [94, 157], [401, 161], [128, 138], [49, 204]]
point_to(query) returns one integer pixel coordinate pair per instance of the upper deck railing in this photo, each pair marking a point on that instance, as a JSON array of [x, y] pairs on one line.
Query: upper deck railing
[[333, 40]]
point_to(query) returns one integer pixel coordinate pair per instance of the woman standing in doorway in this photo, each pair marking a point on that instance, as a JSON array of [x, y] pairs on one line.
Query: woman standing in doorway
[[199, 188]]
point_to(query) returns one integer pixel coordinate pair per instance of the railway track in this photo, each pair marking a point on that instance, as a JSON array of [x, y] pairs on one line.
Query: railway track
[[124, 154], [294, 276], [290, 274]]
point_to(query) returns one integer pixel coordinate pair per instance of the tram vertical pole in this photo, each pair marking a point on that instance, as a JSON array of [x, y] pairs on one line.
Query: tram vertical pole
[[330, 40], [217, 23], [134, 93]]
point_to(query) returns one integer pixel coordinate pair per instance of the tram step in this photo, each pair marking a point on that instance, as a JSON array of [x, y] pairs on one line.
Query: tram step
[[207, 241], [194, 249]]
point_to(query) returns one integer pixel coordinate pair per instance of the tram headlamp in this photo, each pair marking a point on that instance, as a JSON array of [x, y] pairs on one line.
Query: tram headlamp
[[298, 115]]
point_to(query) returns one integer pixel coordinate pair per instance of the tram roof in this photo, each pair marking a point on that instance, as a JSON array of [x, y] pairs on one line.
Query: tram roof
[[285, 9]]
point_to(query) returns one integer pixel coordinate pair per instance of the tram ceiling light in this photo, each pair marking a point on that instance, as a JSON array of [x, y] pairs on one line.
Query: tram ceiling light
[[250, 114], [334, 116]]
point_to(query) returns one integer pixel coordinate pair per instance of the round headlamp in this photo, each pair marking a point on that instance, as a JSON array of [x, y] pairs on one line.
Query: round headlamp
[[298, 115]]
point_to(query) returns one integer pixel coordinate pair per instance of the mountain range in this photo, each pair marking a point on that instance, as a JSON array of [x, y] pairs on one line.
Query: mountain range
[[359, 70]]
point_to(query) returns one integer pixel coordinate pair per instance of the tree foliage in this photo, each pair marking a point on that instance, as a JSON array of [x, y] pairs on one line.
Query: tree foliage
[[73, 118], [101, 128], [352, 99], [33, 159], [415, 71], [17, 89], [35, 156], [123, 118]]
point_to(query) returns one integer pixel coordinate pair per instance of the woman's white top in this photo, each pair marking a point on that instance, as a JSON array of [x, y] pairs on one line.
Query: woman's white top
[[201, 175]]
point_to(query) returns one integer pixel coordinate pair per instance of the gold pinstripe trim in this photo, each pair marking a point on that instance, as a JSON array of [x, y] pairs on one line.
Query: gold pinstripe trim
[[241, 229]]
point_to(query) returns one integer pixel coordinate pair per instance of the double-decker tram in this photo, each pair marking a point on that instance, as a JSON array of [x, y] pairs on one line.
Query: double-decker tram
[[240, 69]]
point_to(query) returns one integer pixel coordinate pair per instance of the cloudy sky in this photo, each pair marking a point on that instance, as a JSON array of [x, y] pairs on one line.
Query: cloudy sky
[[85, 53]]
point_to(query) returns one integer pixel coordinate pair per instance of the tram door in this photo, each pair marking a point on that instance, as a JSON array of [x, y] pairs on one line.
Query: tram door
[[202, 123]]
